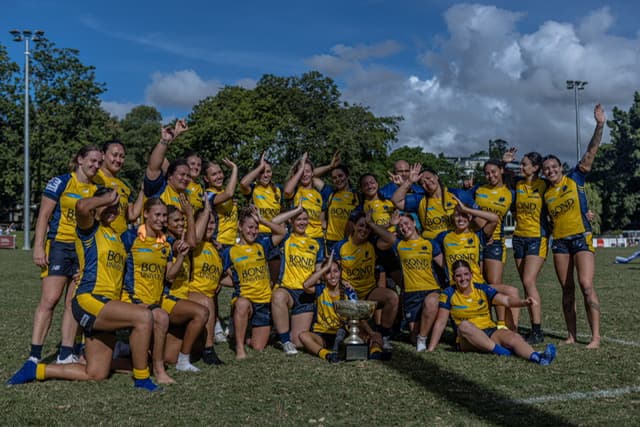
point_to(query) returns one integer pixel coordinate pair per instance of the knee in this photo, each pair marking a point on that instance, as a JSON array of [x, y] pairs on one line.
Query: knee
[[465, 328], [202, 314], [143, 319], [160, 320], [279, 299], [241, 307], [97, 374]]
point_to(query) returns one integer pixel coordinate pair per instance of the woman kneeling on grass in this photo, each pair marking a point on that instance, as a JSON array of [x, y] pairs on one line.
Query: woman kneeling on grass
[[469, 306], [321, 339], [96, 305]]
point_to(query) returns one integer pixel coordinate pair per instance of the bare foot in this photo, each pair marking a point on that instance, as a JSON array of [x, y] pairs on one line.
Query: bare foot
[[570, 340], [241, 355], [164, 378], [595, 343]]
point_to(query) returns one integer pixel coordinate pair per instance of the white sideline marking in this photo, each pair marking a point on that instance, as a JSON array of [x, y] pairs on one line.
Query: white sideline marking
[[613, 340], [577, 395]]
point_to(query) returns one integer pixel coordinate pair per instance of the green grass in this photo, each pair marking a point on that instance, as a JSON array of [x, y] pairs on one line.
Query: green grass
[[442, 388]]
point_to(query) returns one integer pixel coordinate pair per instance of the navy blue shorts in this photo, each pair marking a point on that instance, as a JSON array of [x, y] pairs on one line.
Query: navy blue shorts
[[489, 331], [412, 304], [529, 246], [85, 308], [573, 244], [261, 314], [495, 251], [302, 301], [63, 260]]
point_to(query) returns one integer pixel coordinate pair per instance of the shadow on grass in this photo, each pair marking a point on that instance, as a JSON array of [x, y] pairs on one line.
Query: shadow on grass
[[489, 405]]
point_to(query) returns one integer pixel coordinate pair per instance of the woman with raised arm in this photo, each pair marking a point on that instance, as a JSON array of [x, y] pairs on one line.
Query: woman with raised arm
[[167, 186], [221, 198], [357, 256], [265, 195], [530, 238], [149, 263], [292, 308], [300, 189], [186, 318], [494, 197], [246, 263], [54, 249], [206, 273], [469, 305], [572, 244], [107, 176], [421, 290], [195, 191]]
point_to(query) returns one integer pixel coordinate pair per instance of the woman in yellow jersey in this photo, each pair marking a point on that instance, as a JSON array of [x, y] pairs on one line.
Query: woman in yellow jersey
[[96, 304], [572, 244], [530, 242], [494, 197], [469, 304], [167, 186], [150, 262], [301, 255], [300, 189], [54, 248], [321, 339], [194, 190], [246, 263], [383, 214], [357, 256], [265, 195], [186, 318], [421, 290], [221, 198], [107, 176], [206, 273]]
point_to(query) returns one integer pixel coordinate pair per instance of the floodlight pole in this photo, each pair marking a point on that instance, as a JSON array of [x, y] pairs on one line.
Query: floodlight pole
[[577, 85]]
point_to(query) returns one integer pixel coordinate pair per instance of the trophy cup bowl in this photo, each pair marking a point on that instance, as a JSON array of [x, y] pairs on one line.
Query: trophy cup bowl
[[352, 312]]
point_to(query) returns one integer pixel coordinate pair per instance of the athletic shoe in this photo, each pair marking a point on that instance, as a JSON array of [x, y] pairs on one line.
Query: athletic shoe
[[333, 357], [72, 358], [535, 337], [621, 260], [421, 345], [147, 384], [186, 367], [26, 374], [211, 358], [386, 344], [220, 337], [548, 355], [289, 348]]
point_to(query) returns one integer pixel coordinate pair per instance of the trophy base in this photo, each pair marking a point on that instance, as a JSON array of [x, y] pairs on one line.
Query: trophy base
[[356, 352]]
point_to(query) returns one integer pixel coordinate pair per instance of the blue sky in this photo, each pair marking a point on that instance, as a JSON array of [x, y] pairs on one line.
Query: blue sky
[[460, 73]]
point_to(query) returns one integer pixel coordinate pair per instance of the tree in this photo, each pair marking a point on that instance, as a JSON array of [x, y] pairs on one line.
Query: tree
[[616, 170], [140, 132], [497, 148], [11, 145], [448, 173]]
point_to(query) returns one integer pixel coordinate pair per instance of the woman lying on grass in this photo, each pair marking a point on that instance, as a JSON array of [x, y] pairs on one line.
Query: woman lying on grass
[[469, 306]]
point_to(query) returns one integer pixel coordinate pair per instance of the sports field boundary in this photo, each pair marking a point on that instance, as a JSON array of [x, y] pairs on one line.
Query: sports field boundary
[[578, 395], [603, 338]]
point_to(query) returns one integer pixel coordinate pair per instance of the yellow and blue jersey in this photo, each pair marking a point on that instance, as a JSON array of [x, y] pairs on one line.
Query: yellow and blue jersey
[[475, 307], [268, 200], [416, 258], [147, 259], [338, 207], [206, 269], [312, 202], [326, 320], [358, 265], [567, 205], [195, 193], [381, 211], [65, 190], [160, 188], [101, 256], [435, 213], [249, 270], [531, 212], [227, 213], [466, 246], [180, 286], [301, 254], [494, 199], [121, 223]]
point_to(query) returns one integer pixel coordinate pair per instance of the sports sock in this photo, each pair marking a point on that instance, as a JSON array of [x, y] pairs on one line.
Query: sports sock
[[501, 351], [535, 328], [285, 337], [535, 357], [36, 351], [65, 351], [322, 354]]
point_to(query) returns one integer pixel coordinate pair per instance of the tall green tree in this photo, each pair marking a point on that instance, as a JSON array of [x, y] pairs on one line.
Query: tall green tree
[[616, 170], [140, 132], [448, 173], [11, 145]]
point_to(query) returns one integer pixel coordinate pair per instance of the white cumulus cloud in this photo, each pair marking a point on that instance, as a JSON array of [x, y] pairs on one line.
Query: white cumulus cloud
[[180, 89]]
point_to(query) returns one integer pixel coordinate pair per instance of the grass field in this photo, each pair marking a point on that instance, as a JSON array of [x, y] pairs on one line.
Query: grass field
[[582, 387]]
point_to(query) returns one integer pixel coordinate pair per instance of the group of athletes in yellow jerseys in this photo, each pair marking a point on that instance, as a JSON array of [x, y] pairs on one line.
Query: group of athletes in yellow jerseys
[[424, 252]]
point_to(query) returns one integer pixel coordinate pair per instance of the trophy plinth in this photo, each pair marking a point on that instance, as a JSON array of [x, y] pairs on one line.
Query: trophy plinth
[[352, 312]]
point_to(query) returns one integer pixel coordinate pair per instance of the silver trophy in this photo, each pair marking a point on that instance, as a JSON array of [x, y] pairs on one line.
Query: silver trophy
[[352, 312]]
